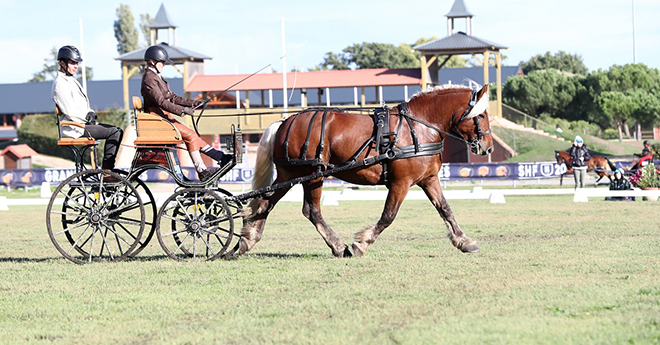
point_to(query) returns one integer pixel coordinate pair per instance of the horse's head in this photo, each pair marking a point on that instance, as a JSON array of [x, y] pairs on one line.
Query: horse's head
[[558, 157], [474, 125]]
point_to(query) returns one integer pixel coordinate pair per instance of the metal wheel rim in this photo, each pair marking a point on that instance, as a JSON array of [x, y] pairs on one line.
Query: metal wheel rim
[[99, 220], [195, 224]]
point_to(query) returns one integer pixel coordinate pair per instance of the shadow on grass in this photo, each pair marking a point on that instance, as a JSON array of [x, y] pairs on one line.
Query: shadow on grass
[[283, 256]]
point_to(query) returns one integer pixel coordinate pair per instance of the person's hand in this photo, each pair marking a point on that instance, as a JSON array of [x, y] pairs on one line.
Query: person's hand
[[198, 103], [186, 111], [581, 159]]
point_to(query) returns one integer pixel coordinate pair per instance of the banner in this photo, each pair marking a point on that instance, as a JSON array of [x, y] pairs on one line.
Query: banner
[[448, 171]]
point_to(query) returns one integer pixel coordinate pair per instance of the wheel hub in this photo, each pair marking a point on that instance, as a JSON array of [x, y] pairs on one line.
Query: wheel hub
[[95, 218]]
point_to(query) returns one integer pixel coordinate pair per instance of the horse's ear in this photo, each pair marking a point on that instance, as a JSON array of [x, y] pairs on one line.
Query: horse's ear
[[483, 91]]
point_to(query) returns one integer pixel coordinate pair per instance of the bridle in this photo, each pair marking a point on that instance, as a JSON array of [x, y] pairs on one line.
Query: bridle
[[453, 132]]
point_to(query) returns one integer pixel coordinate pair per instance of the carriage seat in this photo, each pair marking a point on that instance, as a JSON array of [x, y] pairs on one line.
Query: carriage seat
[[71, 141], [153, 129]]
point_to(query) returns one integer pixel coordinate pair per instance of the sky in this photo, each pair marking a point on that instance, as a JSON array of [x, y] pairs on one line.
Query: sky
[[245, 36]]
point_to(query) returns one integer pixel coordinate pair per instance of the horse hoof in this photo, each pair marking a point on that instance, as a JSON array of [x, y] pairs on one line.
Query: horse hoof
[[470, 248], [356, 250]]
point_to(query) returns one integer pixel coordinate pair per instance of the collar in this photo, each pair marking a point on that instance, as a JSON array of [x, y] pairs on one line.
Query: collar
[[155, 71]]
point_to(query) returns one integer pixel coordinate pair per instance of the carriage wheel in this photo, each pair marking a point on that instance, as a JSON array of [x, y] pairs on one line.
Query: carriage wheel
[[98, 220], [237, 212], [150, 212], [195, 224]]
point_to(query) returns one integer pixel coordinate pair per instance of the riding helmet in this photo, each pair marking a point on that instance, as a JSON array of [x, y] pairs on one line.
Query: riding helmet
[[69, 53], [646, 142], [157, 53]]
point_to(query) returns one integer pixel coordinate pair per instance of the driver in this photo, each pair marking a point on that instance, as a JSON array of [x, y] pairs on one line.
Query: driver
[[72, 101], [646, 151], [160, 100]]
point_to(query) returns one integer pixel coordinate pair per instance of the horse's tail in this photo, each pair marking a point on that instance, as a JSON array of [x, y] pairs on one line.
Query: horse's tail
[[263, 169], [612, 166]]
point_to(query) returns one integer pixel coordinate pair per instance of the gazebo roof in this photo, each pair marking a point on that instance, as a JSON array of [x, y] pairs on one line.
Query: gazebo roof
[[177, 55], [162, 20], [458, 43], [459, 10]]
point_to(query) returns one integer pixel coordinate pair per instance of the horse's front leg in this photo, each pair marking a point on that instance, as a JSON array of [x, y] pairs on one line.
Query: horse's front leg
[[433, 190], [368, 235], [312, 211]]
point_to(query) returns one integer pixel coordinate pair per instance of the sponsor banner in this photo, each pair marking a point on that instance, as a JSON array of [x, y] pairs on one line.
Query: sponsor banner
[[448, 171]]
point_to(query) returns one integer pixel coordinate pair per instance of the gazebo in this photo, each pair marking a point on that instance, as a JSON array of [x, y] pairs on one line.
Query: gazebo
[[193, 63], [460, 43]]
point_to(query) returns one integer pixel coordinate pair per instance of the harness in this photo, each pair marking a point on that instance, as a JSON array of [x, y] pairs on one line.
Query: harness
[[383, 139]]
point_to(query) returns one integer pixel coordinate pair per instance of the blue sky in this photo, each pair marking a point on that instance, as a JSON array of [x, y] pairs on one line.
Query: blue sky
[[245, 36]]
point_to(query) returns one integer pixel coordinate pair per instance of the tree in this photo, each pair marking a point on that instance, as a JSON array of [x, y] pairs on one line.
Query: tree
[[145, 21], [371, 55], [125, 32], [618, 107], [560, 61], [548, 91], [49, 71]]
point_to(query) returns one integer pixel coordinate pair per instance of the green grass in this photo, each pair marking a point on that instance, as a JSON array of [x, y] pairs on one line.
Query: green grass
[[550, 271]]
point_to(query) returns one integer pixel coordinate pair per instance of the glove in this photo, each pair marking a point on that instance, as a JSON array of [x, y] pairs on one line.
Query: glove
[[198, 103], [186, 111], [90, 118]]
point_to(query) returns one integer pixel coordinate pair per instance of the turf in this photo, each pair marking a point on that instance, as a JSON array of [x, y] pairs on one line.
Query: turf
[[550, 271]]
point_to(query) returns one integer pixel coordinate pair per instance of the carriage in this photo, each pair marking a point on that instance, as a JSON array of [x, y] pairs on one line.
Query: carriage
[[112, 216]]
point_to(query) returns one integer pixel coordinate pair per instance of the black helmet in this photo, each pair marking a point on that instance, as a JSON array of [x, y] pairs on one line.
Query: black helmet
[[646, 142], [157, 53], [69, 53]]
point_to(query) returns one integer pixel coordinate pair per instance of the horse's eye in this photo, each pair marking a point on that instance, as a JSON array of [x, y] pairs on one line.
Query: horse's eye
[[482, 116]]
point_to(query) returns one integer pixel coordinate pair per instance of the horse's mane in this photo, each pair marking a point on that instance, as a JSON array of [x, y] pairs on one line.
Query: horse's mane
[[479, 107]]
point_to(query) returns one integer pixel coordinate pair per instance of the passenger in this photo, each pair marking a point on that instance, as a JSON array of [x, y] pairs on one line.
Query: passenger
[[160, 100], [72, 101], [579, 156], [620, 183]]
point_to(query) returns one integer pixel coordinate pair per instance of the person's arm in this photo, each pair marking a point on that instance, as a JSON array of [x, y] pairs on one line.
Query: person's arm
[[154, 92], [587, 156], [64, 98]]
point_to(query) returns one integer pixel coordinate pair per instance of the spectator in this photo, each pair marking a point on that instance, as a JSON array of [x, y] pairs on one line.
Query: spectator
[[579, 156], [620, 183]]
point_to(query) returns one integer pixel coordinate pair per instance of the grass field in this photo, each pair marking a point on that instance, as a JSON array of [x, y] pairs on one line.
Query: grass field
[[550, 271]]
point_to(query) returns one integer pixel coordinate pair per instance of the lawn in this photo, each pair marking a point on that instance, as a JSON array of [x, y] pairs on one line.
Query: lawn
[[550, 271]]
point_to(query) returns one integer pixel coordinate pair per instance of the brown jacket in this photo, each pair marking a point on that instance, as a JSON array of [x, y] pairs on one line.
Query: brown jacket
[[159, 99]]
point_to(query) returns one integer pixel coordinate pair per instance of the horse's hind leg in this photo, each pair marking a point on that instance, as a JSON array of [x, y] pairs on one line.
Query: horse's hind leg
[[254, 222], [368, 235], [312, 211], [433, 190]]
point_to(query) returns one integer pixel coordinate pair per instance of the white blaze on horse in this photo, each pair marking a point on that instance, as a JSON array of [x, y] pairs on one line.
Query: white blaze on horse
[[399, 148]]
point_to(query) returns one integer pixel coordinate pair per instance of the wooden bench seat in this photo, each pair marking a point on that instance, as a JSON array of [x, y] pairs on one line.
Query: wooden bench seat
[[153, 129], [73, 141]]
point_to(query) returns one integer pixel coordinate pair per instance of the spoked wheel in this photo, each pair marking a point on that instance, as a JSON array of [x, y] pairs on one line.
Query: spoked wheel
[[237, 213], [195, 224], [100, 219], [150, 212]]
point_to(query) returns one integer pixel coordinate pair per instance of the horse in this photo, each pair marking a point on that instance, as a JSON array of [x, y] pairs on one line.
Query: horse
[[426, 119], [599, 164]]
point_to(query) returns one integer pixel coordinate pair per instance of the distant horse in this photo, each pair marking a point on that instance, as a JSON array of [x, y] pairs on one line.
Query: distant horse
[[339, 138], [601, 165]]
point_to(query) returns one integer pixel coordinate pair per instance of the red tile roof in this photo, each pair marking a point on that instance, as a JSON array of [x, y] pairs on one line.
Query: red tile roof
[[20, 151], [312, 79]]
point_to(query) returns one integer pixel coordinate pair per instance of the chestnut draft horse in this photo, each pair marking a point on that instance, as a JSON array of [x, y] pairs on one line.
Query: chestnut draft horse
[[340, 138], [601, 165]]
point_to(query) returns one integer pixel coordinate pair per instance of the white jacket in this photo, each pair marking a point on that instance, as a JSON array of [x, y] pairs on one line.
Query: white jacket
[[69, 96]]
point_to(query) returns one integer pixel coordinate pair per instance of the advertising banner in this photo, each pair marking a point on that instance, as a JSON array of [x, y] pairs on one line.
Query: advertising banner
[[449, 171]]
